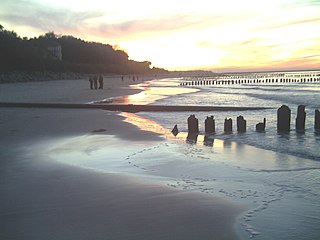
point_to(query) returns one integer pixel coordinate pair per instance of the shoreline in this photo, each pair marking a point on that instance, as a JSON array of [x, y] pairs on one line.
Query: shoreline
[[72, 202]]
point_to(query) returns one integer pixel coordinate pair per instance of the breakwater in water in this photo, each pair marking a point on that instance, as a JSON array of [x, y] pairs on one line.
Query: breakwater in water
[[254, 78], [283, 122]]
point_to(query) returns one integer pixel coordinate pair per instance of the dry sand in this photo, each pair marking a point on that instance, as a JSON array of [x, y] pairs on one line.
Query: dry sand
[[44, 199]]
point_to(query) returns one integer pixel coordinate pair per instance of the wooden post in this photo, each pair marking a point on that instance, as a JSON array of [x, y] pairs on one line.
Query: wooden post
[[241, 124], [301, 118], [208, 141], [283, 119], [193, 124], [209, 124], [260, 127], [192, 138], [228, 125], [317, 121]]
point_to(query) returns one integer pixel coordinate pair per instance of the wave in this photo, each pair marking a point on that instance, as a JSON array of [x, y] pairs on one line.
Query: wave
[[297, 99]]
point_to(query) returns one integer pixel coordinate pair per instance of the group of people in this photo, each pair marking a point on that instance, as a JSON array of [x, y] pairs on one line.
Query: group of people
[[96, 82]]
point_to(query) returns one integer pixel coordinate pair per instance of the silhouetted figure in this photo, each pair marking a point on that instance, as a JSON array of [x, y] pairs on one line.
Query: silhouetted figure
[[134, 78], [122, 78], [91, 82], [192, 138], [100, 82], [260, 127], [193, 124], [283, 119], [209, 124], [175, 130], [95, 82], [301, 118], [228, 125], [317, 121], [241, 124]]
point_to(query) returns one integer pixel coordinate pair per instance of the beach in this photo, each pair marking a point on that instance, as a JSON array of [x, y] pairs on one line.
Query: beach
[[163, 121], [43, 197]]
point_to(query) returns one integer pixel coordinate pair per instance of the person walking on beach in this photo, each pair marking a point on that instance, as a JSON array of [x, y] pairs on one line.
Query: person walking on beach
[[100, 82], [91, 82], [95, 82]]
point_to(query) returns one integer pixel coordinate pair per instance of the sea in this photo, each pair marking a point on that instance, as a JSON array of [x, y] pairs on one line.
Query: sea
[[269, 95], [274, 176], [288, 186]]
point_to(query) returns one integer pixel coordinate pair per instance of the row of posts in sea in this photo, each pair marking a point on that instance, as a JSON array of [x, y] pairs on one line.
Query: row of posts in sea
[[251, 80], [283, 122]]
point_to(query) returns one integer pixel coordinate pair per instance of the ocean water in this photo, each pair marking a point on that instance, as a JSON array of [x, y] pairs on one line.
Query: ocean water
[[276, 177], [306, 145]]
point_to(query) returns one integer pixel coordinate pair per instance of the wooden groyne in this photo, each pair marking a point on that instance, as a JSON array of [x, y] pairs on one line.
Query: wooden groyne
[[247, 81], [283, 122], [130, 107], [254, 79]]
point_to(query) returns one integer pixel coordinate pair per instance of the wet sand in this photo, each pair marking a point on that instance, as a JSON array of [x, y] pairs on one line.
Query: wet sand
[[45, 199]]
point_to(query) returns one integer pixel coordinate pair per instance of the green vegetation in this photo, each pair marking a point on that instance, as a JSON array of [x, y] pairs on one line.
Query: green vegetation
[[79, 56]]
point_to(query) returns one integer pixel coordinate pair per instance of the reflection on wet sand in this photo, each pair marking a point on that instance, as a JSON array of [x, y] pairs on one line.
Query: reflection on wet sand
[[192, 138], [208, 140], [144, 123]]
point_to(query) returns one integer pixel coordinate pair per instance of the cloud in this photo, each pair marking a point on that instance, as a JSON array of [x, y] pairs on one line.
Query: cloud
[[164, 25], [284, 23], [253, 34], [296, 63], [97, 23], [38, 16], [308, 62], [300, 3]]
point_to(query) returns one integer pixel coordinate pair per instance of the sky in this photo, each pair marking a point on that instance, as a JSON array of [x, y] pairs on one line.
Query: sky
[[217, 35]]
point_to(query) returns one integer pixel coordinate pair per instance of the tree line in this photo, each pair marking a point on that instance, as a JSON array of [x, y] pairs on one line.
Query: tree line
[[29, 55]]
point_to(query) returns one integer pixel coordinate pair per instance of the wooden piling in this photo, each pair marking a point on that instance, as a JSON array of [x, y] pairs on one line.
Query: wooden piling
[[210, 125], [241, 124], [192, 138], [283, 119], [228, 125], [208, 140], [193, 124], [301, 118], [260, 127], [317, 121]]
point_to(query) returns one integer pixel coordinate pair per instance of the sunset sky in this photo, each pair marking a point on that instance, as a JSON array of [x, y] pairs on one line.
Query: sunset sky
[[228, 35]]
